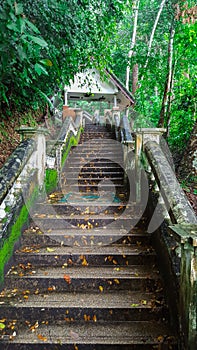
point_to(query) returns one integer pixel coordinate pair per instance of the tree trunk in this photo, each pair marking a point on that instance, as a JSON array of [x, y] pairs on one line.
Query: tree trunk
[[133, 40], [152, 34], [168, 84], [134, 78]]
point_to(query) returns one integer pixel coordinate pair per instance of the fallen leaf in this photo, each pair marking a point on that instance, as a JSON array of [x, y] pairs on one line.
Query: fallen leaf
[[101, 288], [160, 339], [40, 337], [2, 326], [86, 318], [134, 305], [50, 289], [116, 281], [50, 250], [67, 279], [94, 318]]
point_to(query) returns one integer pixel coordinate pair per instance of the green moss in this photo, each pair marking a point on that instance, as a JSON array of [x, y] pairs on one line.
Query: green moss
[[50, 180], [6, 251], [73, 141]]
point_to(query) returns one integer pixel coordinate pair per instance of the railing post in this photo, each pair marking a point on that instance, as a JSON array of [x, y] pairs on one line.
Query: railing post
[[138, 151], [40, 152], [59, 163], [141, 137], [187, 236]]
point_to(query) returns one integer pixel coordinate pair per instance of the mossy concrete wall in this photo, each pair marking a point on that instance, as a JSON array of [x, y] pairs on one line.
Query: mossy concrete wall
[[18, 190]]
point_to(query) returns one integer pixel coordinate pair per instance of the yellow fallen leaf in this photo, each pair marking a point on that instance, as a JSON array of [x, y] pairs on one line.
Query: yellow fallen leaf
[[116, 281], [101, 288], [50, 250], [94, 318], [40, 337]]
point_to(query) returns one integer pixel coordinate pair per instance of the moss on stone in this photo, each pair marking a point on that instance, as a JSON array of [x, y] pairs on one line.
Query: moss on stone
[[50, 180], [73, 141], [15, 231]]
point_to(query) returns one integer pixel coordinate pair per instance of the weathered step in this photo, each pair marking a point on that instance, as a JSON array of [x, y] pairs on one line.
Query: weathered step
[[84, 278], [95, 174], [67, 221], [90, 187], [95, 336], [81, 307], [94, 154], [67, 207], [78, 237], [116, 256], [92, 181]]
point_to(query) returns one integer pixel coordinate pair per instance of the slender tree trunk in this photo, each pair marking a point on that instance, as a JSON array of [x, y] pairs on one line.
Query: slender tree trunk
[[134, 78], [133, 40], [153, 33], [168, 83]]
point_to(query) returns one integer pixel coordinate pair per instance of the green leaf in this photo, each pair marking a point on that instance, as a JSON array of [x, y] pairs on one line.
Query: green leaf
[[2, 326], [32, 26], [46, 62], [39, 41], [18, 9], [40, 69], [12, 26]]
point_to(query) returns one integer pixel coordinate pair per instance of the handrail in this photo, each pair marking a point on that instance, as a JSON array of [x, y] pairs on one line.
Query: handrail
[[174, 197], [14, 166]]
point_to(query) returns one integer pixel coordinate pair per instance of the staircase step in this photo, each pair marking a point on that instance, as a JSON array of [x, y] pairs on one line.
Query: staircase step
[[96, 336], [71, 206], [134, 278], [78, 237], [116, 256], [78, 307]]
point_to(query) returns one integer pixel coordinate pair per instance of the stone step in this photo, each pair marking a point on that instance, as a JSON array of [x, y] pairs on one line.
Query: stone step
[[94, 173], [85, 221], [91, 187], [84, 278], [95, 336], [117, 256], [69, 205], [92, 181], [80, 307], [78, 237]]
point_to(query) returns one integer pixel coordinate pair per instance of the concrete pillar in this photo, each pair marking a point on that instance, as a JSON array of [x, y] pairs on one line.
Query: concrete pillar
[[39, 161], [65, 97], [115, 101], [142, 136]]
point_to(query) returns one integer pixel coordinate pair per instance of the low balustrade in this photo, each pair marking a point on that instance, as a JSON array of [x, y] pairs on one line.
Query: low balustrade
[[173, 223], [23, 178]]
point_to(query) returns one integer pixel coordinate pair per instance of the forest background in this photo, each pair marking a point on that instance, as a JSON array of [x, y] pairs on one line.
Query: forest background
[[150, 45]]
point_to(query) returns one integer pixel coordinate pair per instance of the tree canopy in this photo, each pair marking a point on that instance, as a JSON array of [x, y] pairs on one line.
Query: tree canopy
[[166, 66], [43, 43]]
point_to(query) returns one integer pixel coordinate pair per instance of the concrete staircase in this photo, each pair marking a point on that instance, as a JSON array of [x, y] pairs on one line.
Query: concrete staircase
[[85, 275]]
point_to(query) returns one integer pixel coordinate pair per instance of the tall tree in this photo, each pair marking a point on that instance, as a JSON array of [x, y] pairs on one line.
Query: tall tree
[[133, 40]]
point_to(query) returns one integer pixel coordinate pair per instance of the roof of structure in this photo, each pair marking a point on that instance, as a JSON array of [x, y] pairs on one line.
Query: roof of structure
[[91, 86]]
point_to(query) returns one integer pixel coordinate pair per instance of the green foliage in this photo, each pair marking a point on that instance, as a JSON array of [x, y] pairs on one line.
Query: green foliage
[[44, 43], [150, 90]]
